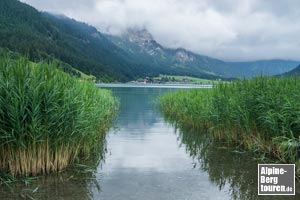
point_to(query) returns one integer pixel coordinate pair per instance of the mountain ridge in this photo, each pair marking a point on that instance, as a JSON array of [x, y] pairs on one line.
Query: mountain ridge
[[135, 54], [293, 73], [40, 35], [181, 57]]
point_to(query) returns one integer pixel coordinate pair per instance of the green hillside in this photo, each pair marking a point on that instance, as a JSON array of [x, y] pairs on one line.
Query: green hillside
[[42, 36], [59, 64], [293, 73], [141, 44]]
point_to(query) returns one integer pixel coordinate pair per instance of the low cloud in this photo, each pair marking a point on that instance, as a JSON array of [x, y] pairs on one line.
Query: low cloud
[[227, 29]]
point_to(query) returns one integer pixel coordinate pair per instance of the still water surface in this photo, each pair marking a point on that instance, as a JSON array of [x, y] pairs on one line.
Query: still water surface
[[145, 160], [148, 159]]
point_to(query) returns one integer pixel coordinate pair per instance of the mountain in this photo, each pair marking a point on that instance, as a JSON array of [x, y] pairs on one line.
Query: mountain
[[42, 36], [142, 44], [293, 73], [135, 54], [262, 67]]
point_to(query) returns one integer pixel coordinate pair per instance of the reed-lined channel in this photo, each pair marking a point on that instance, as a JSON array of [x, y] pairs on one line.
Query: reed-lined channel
[[148, 159]]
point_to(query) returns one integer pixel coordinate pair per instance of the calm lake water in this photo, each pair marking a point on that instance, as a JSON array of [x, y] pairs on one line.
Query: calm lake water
[[148, 159]]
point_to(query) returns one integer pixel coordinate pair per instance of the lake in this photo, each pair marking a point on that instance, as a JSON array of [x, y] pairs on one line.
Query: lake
[[148, 159]]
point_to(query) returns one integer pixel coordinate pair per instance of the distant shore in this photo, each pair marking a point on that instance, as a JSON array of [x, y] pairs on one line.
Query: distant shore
[[153, 85]]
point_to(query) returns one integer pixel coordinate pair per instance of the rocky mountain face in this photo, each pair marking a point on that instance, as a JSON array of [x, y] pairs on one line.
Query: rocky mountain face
[[142, 44], [134, 54]]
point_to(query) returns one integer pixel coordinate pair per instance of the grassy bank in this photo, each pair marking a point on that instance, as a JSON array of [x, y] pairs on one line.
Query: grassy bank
[[261, 115], [48, 120]]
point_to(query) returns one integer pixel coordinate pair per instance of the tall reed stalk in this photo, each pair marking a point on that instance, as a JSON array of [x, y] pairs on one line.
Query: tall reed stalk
[[48, 120], [261, 115]]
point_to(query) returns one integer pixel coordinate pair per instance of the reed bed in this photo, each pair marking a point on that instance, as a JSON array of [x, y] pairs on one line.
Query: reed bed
[[261, 115], [48, 120]]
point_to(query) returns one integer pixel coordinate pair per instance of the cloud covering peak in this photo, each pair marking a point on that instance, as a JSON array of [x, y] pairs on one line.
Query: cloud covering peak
[[226, 29]]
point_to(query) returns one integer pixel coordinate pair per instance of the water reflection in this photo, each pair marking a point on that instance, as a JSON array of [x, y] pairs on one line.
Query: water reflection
[[138, 111], [149, 159], [59, 186], [144, 161], [226, 167], [75, 183]]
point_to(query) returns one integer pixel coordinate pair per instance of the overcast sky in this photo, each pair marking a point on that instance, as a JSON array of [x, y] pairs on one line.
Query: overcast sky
[[226, 29]]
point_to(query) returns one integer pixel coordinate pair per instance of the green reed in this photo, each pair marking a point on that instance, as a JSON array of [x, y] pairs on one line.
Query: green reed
[[261, 115], [48, 120]]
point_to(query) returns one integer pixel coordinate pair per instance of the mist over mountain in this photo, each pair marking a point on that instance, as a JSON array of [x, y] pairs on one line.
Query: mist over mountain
[[292, 73], [41, 36], [134, 54], [229, 30], [140, 42]]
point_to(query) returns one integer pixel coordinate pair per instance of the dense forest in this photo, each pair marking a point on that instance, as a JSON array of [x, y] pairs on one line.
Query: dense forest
[[43, 36]]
